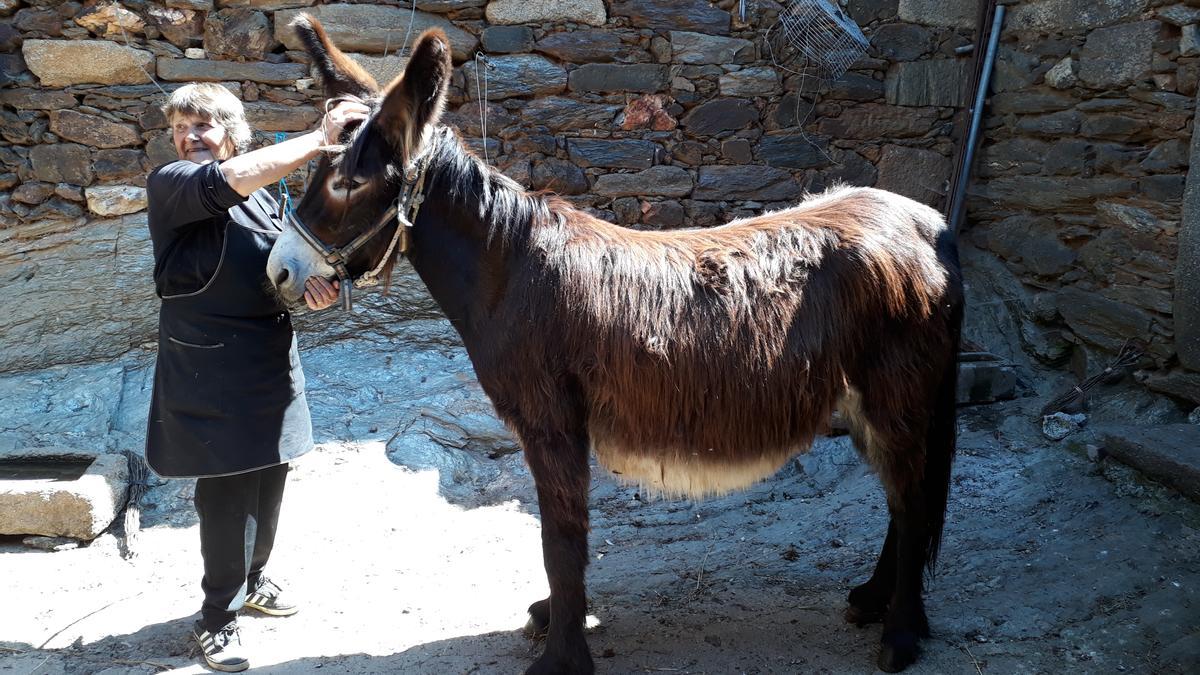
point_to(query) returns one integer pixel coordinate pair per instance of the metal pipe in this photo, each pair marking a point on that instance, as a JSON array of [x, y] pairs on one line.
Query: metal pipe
[[985, 79]]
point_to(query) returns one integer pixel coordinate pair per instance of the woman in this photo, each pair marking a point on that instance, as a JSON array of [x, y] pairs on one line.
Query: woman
[[228, 406]]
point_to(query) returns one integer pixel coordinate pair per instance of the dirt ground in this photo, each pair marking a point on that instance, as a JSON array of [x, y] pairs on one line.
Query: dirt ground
[[1051, 563]]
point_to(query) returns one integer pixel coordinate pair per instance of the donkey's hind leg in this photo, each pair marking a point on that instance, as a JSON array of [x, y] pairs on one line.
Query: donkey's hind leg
[[894, 592], [559, 463], [906, 622], [916, 475], [868, 602]]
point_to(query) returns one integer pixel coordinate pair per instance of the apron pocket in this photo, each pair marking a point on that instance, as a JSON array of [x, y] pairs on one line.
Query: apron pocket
[[195, 377], [194, 345]]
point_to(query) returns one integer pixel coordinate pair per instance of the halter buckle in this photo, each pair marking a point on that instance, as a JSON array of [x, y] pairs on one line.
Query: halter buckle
[[344, 291]]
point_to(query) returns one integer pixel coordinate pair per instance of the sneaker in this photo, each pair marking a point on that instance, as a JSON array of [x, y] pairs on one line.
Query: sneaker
[[266, 599], [222, 648]]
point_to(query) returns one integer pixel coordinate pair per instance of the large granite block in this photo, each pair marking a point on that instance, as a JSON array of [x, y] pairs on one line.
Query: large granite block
[[1168, 453], [60, 493]]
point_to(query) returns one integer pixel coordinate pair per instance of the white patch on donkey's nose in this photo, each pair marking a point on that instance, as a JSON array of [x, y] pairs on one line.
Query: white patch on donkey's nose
[[292, 261]]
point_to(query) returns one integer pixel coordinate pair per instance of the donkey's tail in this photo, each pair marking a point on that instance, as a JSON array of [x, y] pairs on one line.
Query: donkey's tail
[[941, 441]]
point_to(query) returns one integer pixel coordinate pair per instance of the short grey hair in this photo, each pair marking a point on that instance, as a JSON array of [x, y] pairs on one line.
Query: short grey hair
[[214, 102]]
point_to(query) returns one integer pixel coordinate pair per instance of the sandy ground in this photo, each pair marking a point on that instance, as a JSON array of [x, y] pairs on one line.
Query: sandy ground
[[1050, 564]]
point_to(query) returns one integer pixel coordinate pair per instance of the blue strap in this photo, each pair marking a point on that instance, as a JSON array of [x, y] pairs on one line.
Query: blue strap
[[283, 188]]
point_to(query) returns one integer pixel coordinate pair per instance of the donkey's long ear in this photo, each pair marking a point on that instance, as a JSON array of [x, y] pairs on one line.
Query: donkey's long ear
[[414, 100], [339, 72]]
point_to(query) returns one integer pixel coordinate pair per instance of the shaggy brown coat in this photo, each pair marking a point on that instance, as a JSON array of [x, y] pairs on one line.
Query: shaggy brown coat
[[692, 362]]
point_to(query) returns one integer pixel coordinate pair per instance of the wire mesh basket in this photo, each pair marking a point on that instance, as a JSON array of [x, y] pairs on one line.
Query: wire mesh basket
[[820, 33]]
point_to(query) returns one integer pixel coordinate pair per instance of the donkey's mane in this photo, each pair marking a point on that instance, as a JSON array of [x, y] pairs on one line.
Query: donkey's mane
[[509, 210]]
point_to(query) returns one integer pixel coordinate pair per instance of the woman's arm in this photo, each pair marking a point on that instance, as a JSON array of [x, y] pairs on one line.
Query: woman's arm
[[259, 168]]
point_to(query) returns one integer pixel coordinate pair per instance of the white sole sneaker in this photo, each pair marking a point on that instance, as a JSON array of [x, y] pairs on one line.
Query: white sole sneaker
[[262, 602], [221, 651]]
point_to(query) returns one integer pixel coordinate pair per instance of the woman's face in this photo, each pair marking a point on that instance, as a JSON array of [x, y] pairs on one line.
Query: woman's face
[[200, 139]]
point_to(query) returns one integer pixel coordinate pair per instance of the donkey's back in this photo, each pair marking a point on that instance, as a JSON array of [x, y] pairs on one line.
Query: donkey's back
[[708, 357]]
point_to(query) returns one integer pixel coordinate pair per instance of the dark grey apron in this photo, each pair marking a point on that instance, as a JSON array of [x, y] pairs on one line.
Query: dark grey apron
[[228, 387]]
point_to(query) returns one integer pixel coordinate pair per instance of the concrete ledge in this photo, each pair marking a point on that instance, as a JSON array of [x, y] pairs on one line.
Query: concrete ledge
[[77, 507], [1169, 453]]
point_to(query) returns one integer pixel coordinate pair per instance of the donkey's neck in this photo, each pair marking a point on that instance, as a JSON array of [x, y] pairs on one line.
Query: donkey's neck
[[473, 223]]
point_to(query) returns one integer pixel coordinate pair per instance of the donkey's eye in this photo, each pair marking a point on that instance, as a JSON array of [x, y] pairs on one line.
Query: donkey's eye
[[348, 183]]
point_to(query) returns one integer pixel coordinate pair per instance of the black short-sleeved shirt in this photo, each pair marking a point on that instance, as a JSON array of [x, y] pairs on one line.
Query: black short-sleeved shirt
[[228, 387], [189, 205]]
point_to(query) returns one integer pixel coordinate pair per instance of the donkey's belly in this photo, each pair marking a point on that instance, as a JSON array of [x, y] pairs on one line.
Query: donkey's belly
[[695, 474]]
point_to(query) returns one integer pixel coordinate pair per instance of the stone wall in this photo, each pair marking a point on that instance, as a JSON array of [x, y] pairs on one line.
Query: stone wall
[[650, 113], [1080, 184]]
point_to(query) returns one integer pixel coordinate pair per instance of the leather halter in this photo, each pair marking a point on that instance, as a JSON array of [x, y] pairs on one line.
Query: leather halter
[[404, 209]]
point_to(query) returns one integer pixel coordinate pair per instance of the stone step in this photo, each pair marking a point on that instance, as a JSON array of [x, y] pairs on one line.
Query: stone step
[[1168, 453], [60, 492], [984, 378]]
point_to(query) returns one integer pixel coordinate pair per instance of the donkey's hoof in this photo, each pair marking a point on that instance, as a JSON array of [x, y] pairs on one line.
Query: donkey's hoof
[[534, 629], [862, 616], [581, 664], [899, 650], [868, 603], [539, 619]]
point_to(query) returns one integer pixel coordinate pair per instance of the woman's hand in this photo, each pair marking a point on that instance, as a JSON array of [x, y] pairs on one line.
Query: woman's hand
[[339, 116], [320, 293]]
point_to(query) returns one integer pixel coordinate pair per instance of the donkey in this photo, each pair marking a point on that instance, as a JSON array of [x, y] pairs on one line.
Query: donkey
[[691, 362]]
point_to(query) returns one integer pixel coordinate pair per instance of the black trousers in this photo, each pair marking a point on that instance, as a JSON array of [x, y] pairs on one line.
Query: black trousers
[[238, 518]]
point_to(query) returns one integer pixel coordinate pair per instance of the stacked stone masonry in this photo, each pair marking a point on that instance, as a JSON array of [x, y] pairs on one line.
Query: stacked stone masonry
[[1079, 189], [652, 114]]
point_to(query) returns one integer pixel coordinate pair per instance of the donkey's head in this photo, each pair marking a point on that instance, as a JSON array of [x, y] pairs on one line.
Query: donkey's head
[[344, 224]]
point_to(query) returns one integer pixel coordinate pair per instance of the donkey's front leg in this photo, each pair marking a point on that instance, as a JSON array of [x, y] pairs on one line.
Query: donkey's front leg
[[559, 463]]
